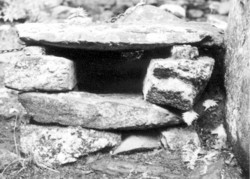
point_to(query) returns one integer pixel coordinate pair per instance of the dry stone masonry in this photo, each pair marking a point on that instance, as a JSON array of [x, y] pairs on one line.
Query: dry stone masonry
[[61, 60]]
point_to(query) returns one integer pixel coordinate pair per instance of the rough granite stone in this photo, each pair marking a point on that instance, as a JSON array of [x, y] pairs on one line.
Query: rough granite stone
[[177, 82], [40, 72], [60, 145], [96, 111], [124, 34], [237, 80]]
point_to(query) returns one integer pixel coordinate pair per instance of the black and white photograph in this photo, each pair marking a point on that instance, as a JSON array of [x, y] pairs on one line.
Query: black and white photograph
[[124, 89]]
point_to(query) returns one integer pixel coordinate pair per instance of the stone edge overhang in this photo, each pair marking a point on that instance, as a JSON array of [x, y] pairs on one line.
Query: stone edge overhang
[[113, 37]]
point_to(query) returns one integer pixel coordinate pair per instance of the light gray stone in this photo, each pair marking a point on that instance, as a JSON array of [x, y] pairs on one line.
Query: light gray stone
[[124, 3], [9, 40], [147, 14], [140, 140], [184, 51], [184, 140], [39, 72], [224, 7], [177, 82], [175, 9], [60, 145], [195, 13], [34, 51], [218, 21], [125, 34], [177, 138], [9, 37], [221, 8], [237, 80], [96, 111]]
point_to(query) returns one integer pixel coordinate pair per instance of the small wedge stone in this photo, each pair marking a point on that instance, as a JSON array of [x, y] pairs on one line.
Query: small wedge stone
[[141, 140]]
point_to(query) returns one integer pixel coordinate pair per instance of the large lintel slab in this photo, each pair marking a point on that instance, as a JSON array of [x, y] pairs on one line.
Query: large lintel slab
[[118, 36]]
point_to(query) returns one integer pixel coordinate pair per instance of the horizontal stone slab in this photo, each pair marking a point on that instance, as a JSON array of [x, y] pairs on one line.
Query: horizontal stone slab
[[60, 145], [97, 111], [41, 72], [177, 82], [126, 34]]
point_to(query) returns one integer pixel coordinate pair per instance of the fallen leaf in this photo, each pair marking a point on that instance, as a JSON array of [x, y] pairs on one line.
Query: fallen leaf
[[209, 103], [189, 117]]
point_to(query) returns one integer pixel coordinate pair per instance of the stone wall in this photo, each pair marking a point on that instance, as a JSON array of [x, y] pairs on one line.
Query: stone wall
[[237, 80], [147, 81]]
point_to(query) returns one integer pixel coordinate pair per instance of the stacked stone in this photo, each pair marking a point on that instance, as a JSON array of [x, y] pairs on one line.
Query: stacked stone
[[86, 119], [177, 81]]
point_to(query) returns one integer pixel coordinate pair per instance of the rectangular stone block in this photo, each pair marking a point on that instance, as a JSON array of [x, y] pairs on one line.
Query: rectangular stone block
[[41, 72], [177, 82]]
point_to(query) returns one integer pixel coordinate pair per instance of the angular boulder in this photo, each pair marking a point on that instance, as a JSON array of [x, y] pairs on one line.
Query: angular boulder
[[60, 145], [96, 111], [237, 81], [126, 34], [177, 82], [41, 72]]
